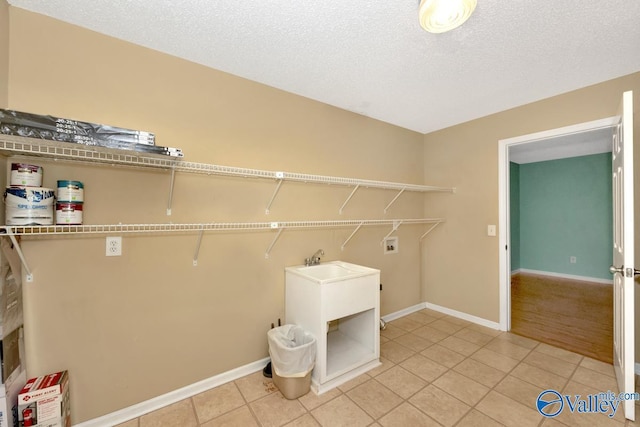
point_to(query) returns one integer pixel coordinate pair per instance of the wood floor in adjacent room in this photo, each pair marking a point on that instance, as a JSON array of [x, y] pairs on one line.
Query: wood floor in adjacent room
[[570, 314]]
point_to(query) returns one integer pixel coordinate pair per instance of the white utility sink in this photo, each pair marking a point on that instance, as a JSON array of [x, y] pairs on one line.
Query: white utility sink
[[339, 304], [331, 271]]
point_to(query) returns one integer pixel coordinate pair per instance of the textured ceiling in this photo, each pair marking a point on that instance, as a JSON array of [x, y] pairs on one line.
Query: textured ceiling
[[372, 57]]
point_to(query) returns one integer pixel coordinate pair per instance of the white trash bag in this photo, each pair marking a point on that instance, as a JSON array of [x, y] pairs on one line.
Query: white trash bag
[[292, 350]]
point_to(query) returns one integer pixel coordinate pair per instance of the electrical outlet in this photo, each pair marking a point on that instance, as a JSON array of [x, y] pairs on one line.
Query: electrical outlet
[[114, 246], [573, 260]]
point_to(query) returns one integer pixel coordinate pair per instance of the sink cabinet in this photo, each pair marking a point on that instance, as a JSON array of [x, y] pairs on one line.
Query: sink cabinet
[[342, 311]]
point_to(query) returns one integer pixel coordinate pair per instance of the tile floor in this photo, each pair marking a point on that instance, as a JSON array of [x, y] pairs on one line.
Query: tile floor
[[436, 370]]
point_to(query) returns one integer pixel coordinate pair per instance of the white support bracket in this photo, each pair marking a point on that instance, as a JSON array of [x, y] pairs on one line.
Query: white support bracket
[[349, 198], [29, 275], [280, 178], [352, 234], [170, 203], [429, 230], [195, 255], [396, 224], [274, 225], [394, 199]]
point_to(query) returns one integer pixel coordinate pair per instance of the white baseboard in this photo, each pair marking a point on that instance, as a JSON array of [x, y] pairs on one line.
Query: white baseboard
[[460, 315], [158, 402], [566, 276], [404, 312], [464, 316]]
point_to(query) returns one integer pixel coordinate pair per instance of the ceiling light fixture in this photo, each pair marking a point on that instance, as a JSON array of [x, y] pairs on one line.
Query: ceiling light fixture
[[439, 16]]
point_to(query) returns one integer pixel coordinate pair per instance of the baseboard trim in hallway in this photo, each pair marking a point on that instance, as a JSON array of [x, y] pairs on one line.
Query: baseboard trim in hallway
[[563, 276]]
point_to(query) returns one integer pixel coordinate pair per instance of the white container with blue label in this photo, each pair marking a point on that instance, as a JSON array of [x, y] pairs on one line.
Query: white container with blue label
[[29, 205], [70, 191]]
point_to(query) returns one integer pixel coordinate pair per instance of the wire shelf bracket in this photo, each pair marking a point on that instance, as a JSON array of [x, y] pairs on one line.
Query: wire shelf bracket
[[197, 252], [393, 201], [349, 198], [396, 224], [16, 245], [280, 178], [429, 230], [171, 184], [274, 225], [351, 235]]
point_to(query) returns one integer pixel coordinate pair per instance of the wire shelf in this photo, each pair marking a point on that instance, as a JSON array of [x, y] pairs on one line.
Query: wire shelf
[[79, 153], [16, 145], [36, 230]]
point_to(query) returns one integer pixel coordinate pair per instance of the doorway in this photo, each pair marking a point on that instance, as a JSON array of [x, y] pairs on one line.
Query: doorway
[[547, 144]]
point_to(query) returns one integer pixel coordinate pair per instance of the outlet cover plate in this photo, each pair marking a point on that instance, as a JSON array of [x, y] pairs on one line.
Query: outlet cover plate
[[114, 246]]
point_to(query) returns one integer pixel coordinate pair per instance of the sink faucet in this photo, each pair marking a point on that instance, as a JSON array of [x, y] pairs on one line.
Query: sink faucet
[[315, 258]]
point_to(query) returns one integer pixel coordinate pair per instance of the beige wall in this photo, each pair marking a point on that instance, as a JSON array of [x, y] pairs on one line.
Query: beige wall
[[134, 327], [460, 263], [4, 53], [137, 326]]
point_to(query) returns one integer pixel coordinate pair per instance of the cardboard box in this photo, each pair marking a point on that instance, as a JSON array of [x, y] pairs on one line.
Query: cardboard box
[[44, 401]]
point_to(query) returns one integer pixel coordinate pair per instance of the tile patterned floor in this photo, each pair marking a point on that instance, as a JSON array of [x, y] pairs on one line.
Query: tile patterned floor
[[436, 370]]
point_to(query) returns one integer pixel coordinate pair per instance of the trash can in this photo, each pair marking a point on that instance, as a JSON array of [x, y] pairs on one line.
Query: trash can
[[293, 356]]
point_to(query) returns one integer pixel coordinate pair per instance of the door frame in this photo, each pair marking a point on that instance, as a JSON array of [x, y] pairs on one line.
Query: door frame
[[504, 222]]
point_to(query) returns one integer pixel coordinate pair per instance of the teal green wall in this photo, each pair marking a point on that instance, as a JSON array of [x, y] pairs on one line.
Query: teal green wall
[[566, 210], [514, 214]]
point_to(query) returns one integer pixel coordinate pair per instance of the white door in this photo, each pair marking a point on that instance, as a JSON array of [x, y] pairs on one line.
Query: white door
[[623, 256]]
